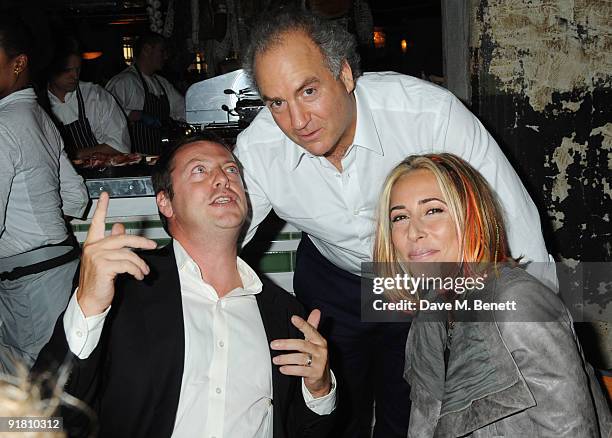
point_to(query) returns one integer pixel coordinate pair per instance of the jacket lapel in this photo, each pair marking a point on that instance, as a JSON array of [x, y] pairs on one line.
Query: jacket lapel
[[276, 323], [165, 334]]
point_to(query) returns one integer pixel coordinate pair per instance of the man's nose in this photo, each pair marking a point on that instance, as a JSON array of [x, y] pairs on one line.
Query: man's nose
[[220, 178], [299, 117]]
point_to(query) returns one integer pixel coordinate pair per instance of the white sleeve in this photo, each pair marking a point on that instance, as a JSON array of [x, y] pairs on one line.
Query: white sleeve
[[82, 334], [128, 90], [260, 204], [322, 405], [175, 99], [461, 133], [110, 125], [72, 188], [9, 158]]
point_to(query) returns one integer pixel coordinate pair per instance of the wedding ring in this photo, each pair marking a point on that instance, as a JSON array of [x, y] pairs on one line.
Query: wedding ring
[[309, 361]]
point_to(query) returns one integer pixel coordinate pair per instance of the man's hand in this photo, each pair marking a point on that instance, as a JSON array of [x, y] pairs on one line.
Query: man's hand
[[310, 359], [104, 258]]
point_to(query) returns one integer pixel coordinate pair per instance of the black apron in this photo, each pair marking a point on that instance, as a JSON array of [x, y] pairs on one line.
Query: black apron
[[78, 134], [148, 139]]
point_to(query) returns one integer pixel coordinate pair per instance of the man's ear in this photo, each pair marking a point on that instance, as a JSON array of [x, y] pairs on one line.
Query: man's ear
[[164, 205], [346, 76]]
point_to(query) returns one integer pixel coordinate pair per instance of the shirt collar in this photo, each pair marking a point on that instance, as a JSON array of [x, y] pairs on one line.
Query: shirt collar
[[366, 135], [25, 94], [55, 100], [251, 284]]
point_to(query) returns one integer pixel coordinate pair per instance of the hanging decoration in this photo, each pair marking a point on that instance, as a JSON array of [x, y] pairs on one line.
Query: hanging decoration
[[169, 24], [155, 16]]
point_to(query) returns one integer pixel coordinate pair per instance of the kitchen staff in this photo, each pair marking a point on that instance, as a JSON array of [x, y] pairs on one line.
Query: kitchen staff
[[38, 186], [149, 100], [88, 117]]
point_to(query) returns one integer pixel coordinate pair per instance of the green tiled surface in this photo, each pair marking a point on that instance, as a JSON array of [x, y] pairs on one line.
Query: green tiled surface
[[276, 262], [269, 262], [138, 225]]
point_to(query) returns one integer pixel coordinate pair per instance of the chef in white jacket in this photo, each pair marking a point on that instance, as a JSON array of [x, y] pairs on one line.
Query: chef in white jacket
[[148, 99], [88, 117]]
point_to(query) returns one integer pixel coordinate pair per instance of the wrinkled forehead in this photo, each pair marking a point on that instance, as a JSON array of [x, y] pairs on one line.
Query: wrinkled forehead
[[291, 46]]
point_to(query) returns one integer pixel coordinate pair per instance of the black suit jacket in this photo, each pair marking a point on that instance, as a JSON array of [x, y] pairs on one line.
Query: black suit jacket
[[133, 377]]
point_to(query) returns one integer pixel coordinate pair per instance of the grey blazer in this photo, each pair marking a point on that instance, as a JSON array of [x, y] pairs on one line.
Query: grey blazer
[[504, 378]]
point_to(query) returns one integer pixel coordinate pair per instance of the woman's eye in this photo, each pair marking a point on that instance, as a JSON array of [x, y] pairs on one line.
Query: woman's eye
[[398, 218], [434, 211], [232, 169]]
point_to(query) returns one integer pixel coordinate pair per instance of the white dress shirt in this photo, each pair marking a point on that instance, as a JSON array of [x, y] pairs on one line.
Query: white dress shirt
[[128, 89], [38, 184], [226, 388], [397, 116], [107, 120]]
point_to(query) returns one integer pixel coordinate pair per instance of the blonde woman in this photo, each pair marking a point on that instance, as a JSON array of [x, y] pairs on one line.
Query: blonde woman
[[483, 376]]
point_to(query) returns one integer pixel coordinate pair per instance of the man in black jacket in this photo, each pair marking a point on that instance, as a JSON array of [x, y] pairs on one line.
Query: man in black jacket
[[186, 341]]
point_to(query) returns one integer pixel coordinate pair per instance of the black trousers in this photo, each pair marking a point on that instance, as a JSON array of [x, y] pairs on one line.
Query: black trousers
[[367, 358]]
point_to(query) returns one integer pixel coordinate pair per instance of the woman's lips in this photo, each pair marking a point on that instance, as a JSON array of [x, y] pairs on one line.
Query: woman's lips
[[422, 254]]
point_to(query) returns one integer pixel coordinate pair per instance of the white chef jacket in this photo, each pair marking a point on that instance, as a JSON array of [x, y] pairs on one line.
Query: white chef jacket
[[226, 388], [397, 116], [128, 89], [107, 120], [38, 184]]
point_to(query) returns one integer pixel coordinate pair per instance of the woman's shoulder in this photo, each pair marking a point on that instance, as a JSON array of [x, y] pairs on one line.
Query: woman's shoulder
[[530, 299]]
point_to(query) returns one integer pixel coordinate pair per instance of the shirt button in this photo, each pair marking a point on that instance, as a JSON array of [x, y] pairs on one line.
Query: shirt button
[[356, 212], [221, 344], [218, 390], [79, 333], [338, 175]]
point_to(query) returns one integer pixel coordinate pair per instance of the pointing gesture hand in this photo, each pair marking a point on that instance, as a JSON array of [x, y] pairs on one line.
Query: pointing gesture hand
[[105, 257]]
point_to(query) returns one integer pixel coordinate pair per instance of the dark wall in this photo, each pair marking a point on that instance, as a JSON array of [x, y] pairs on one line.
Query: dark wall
[[541, 81]]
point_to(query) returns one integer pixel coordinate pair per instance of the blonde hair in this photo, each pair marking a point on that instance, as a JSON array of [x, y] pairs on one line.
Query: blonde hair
[[471, 203], [19, 397]]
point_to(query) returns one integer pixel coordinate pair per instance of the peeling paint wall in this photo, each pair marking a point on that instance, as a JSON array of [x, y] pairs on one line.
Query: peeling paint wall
[[542, 76], [542, 84]]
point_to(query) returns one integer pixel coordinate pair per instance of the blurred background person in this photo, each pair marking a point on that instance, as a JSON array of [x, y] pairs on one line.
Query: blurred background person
[[148, 99], [38, 187], [87, 116], [486, 374]]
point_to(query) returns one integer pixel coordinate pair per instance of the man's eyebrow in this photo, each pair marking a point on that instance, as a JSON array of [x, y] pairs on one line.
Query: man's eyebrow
[[206, 161], [308, 81]]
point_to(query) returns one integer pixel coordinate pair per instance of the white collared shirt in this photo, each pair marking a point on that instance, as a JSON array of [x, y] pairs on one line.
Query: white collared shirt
[[226, 388], [107, 120], [127, 88], [397, 116]]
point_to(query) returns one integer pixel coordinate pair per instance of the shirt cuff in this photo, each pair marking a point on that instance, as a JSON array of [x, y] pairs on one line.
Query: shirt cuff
[[322, 405], [82, 334]]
